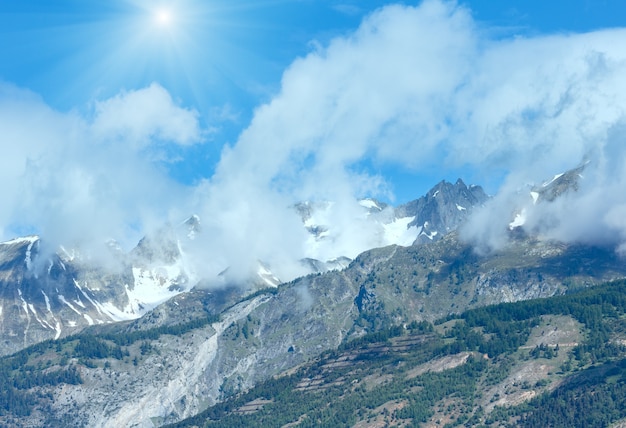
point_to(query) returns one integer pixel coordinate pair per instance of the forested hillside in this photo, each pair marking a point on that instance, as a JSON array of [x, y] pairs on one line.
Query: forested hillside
[[391, 330], [559, 361]]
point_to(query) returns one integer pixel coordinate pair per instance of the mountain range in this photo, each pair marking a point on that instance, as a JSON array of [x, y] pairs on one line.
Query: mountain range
[[48, 294], [148, 344]]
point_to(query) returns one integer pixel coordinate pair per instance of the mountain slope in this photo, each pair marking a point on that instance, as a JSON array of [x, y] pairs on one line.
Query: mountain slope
[[201, 347], [491, 367], [165, 375], [48, 295], [442, 210]]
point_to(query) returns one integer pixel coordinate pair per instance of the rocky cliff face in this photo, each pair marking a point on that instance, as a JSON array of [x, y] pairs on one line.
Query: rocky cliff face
[[52, 294], [442, 210], [558, 185], [183, 359], [176, 375]]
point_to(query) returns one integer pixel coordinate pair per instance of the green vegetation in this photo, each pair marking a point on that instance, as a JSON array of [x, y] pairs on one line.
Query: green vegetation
[[129, 338], [17, 378], [595, 397], [459, 371], [449, 373], [47, 364]]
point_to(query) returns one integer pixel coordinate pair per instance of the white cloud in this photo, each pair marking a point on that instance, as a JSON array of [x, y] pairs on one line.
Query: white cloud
[[67, 179], [145, 116], [425, 86], [544, 105], [383, 91], [416, 86]]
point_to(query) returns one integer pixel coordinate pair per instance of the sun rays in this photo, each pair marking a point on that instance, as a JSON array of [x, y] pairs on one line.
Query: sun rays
[[163, 17]]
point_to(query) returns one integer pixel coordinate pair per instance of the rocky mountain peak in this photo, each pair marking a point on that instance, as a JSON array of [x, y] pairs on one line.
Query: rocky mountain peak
[[442, 209], [558, 185], [48, 293], [193, 226], [548, 191]]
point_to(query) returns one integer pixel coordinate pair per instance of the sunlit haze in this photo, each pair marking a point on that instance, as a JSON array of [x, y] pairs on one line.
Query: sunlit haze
[[163, 17], [118, 117]]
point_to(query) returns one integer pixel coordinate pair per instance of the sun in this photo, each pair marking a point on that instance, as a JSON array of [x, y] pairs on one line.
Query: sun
[[163, 17]]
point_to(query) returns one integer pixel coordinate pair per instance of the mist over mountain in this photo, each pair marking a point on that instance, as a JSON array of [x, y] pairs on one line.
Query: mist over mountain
[[204, 346], [154, 266], [179, 341], [51, 293], [378, 95], [582, 205]]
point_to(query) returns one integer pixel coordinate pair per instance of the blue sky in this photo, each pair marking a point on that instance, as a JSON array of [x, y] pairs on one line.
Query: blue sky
[[126, 113], [224, 58]]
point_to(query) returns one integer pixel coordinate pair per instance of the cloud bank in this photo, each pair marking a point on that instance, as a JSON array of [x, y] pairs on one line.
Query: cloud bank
[[416, 87], [83, 179], [427, 86]]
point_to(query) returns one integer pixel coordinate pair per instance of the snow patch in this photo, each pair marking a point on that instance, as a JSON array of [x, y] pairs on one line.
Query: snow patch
[[79, 302], [267, 276], [27, 259], [89, 319], [57, 326], [87, 297], [22, 240], [62, 300], [430, 235], [69, 256], [113, 312], [152, 287], [47, 301], [398, 232], [369, 204], [32, 309], [24, 304], [43, 323], [535, 197], [519, 220], [556, 177]]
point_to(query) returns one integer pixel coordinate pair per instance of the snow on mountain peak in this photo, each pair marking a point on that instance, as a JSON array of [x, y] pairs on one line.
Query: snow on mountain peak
[[267, 276], [347, 229], [370, 204], [22, 240], [556, 177], [193, 226], [370, 224]]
